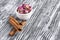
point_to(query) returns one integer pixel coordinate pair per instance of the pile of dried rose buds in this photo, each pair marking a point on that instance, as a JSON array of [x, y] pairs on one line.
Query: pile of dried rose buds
[[24, 9]]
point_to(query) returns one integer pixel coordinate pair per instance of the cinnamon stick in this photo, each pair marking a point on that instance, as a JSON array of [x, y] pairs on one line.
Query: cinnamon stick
[[14, 24], [11, 17], [17, 26], [12, 32]]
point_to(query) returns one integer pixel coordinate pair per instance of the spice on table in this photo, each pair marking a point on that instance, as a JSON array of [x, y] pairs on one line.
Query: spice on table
[[12, 32], [11, 17], [17, 26]]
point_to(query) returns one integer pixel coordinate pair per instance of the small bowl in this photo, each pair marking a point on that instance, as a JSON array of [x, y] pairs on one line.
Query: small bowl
[[24, 16]]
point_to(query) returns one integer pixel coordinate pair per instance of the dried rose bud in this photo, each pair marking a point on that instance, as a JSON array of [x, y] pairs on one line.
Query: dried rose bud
[[20, 9], [29, 10], [29, 6], [25, 6], [26, 11]]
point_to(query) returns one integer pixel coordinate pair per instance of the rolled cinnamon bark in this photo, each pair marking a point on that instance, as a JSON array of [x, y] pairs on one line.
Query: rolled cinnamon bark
[[11, 17], [12, 32], [17, 26], [23, 22], [14, 24]]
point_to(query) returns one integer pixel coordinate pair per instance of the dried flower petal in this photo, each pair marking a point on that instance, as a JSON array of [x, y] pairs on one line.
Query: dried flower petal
[[25, 8]]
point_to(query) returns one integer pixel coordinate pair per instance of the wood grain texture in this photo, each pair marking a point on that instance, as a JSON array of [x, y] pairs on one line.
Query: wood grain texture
[[43, 24]]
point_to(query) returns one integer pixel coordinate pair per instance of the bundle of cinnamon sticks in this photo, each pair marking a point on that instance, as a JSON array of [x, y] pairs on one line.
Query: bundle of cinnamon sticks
[[17, 26]]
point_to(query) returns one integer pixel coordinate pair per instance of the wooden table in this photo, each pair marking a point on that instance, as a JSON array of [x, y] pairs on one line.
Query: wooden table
[[43, 24]]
